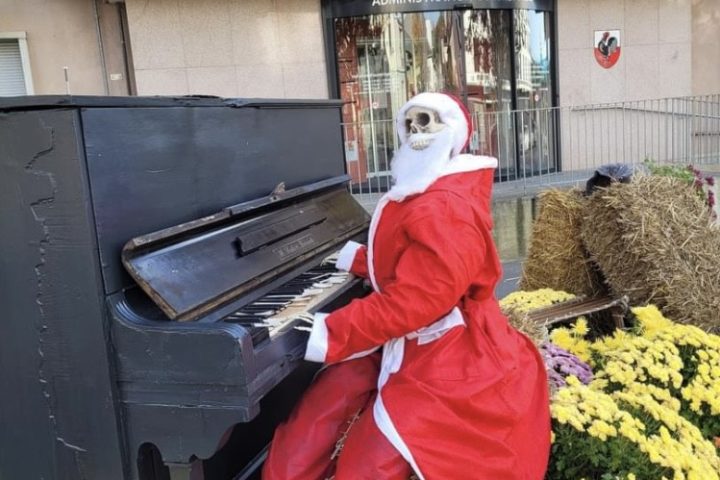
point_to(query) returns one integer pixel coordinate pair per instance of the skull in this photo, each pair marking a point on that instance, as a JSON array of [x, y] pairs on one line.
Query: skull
[[421, 124]]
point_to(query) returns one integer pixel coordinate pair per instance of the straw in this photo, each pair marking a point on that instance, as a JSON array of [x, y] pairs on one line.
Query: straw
[[557, 258], [654, 241]]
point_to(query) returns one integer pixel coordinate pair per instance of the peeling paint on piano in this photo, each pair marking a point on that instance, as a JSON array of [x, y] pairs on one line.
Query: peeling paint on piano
[[99, 373]]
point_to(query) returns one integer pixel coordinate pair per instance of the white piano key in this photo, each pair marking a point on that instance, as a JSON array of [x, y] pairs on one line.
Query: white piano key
[[312, 291], [336, 280]]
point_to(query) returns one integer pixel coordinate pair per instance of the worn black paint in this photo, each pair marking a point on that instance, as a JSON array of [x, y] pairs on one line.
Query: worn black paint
[[239, 253], [58, 409], [164, 166], [90, 369]]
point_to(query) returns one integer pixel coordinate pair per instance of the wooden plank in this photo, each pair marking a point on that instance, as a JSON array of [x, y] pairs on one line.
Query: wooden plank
[[577, 307]]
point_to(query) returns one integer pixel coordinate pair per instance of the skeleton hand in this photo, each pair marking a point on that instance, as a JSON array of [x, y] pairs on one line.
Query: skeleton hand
[[306, 318], [330, 259], [304, 322]]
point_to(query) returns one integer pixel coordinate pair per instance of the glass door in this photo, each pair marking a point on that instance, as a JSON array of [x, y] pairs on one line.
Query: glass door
[[497, 61], [376, 106], [371, 69], [536, 119], [433, 52], [488, 79]]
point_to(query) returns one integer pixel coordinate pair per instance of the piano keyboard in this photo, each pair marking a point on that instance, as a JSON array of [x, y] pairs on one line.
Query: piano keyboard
[[290, 305]]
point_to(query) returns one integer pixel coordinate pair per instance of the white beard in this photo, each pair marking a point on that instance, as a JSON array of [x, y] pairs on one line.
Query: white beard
[[415, 170]]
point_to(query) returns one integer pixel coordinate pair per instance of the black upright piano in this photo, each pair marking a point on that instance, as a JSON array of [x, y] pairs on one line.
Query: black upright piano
[[155, 257]]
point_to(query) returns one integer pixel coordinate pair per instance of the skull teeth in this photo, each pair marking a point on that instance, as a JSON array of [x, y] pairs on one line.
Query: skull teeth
[[420, 144]]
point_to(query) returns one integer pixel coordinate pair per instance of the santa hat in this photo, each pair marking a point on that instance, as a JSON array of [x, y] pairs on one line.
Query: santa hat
[[452, 113]]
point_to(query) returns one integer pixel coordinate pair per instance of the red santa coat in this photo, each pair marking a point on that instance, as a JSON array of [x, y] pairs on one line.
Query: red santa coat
[[461, 393]]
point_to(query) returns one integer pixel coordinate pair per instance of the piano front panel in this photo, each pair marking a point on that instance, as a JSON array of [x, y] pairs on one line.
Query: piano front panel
[[233, 361], [104, 170], [165, 166]]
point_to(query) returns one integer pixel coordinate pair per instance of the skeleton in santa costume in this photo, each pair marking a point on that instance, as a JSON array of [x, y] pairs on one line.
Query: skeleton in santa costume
[[445, 387]]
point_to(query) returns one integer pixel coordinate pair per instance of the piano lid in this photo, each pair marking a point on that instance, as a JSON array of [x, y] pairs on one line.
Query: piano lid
[[192, 268]]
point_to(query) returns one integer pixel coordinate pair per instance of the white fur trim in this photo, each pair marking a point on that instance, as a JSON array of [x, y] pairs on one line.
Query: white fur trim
[[394, 350], [385, 425], [457, 164], [371, 238], [364, 353], [317, 345], [450, 113], [436, 330], [393, 354], [347, 256], [468, 163]]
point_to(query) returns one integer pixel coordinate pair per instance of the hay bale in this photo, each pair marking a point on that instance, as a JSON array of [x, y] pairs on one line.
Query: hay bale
[[654, 241], [557, 258], [522, 322]]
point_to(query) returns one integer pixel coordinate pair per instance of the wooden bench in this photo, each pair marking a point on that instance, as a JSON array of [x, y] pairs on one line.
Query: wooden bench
[[577, 307]]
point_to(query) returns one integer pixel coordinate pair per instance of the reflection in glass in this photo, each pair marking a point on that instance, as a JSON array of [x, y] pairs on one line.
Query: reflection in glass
[[533, 84], [498, 61], [432, 47], [371, 69], [488, 79]]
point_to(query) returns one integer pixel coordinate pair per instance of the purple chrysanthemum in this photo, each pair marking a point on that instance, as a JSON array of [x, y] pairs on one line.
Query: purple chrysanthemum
[[560, 364]]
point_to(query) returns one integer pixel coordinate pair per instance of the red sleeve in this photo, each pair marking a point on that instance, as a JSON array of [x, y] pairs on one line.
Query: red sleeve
[[359, 265], [353, 258], [444, 255]]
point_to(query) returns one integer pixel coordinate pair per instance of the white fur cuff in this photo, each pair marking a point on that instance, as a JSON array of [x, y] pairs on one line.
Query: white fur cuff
[[346, 256], [317, 345]]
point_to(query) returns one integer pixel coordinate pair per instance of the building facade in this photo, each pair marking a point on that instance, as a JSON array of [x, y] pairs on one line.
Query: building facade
[[498, 56], [63, 46], [281, 48]]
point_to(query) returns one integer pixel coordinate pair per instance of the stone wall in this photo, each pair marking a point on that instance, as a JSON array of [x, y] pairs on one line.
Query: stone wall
[[229, 48], [60, 33], [656, 50]]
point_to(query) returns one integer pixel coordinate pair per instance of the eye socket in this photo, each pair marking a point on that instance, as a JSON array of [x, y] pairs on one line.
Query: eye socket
[[422, 119], [408, 122]]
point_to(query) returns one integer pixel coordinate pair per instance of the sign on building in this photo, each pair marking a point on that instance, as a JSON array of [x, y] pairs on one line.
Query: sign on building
[[607, 47]]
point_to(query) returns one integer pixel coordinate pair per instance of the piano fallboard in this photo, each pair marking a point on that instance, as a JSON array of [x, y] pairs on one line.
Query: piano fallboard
[[226, 258]]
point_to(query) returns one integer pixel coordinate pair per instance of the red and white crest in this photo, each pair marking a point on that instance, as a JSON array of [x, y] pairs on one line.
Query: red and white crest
[[607, 47]]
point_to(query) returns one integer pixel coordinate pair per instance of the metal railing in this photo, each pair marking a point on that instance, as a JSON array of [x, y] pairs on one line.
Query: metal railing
[[560, 145]]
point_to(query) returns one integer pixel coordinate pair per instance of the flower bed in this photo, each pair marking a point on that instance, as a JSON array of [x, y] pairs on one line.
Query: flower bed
[[649, 410]]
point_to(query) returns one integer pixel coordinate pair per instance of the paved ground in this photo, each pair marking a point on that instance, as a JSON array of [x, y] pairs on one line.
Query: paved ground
[[511, 277]]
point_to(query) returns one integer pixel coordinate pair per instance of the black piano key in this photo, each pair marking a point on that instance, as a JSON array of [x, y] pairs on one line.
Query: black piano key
[[324, 268], [270, 303], [243, 319], [299, 283], [253, 315], [261, 309], [259, 312], [290, 290]]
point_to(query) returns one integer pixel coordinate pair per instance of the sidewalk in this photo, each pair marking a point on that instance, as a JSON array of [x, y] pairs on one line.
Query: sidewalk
[[511, 277]]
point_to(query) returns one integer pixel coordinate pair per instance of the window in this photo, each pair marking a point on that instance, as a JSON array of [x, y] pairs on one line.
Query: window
[[15, 76], [498, 61]]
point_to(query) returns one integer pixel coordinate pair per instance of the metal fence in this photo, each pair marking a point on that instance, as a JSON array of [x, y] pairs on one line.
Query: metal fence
[[560, 145]]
